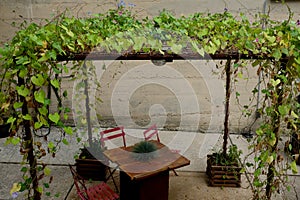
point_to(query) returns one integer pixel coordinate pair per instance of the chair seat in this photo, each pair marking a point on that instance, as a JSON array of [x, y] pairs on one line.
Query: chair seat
[[101, 191]]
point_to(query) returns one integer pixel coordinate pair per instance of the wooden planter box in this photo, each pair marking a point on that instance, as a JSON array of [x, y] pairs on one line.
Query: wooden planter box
[[91, 169], [222, 176], [4, 130]]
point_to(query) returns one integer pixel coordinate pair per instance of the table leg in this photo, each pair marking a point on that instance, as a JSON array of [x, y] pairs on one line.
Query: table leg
[[149, 188]]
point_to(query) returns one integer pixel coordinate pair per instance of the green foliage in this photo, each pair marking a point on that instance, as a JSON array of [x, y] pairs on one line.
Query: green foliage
[[31, 61], [230, 159]]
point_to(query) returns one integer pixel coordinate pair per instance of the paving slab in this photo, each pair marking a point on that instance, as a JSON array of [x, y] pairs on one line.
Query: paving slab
[[190, 184]]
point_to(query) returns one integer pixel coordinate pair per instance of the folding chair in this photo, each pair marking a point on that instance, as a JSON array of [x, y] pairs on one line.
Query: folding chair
[[151, 132], [100, 191], [110, 134]]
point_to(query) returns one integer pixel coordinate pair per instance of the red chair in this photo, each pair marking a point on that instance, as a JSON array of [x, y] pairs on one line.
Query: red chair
[[151, 132], [100, 191], [110, 134]]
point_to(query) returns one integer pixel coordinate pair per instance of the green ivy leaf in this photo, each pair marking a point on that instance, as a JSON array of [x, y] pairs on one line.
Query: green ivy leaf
[[294, 115], [22, 90], [17, 105], [66, 116], [138, 43], [68, 130], [22, 60], [272, 141], [43, 111], [24, 169], [39, 96], [249, 45], [294, 167], [11, 120], [55, 83], [290, 147], [257, 172], [270, 159], [276, 54], [23, 73], [43, 58], [43, 120], [69, 32], [271, 39], [283, 109], [275, 83], [65, 141], [38, 125], [47, 171], [259, 132], [27, 117], [40, 189], [200, 51], [54, 117], [38, 80], [51, 145], [176, 48], [65, 93], [15, 140]]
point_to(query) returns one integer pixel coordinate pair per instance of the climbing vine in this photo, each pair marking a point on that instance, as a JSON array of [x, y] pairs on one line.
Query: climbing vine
[[38, 55]]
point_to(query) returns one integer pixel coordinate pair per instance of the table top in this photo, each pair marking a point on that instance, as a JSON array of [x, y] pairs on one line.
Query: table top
[[164, 159]]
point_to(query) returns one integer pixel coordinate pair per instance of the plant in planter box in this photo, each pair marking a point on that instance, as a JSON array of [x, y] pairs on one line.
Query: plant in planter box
[[224, 169], [91, 163]]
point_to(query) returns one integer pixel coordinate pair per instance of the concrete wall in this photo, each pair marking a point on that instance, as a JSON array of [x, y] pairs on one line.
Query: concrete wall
[[185, 95]]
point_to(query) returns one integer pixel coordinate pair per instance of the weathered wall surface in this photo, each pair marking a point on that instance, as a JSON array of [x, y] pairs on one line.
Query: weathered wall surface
[[180, 95]]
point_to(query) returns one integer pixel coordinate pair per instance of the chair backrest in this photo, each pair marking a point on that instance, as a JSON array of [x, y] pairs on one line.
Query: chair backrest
[[151, 132], [112, 133], [79, 184]]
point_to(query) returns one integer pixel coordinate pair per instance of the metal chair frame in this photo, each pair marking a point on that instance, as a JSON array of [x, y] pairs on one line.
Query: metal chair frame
[[110, 134], [100, 191]]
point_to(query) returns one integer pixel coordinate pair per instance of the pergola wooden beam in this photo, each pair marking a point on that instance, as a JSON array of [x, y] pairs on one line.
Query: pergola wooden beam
[[158, 56]]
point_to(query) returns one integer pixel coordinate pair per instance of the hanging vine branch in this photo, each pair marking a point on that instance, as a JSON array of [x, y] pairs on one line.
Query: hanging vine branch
[[227, 101], [37, 51]]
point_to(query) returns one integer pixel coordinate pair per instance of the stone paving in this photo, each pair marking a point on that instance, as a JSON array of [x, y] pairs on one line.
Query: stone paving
[[190, 184]]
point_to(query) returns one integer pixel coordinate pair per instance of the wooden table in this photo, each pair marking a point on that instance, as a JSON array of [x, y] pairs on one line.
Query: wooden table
[[146, 180]]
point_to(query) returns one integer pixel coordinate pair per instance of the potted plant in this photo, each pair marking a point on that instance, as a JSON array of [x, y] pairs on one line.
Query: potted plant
[[144, 151], [91, 163], [224, 169]]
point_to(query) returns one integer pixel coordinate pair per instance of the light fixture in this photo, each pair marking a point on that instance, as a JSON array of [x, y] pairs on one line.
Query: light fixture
[[159, 62]]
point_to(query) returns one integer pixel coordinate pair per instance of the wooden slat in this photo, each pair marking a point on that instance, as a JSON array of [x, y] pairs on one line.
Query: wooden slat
[[223, 176], [187, 54]]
